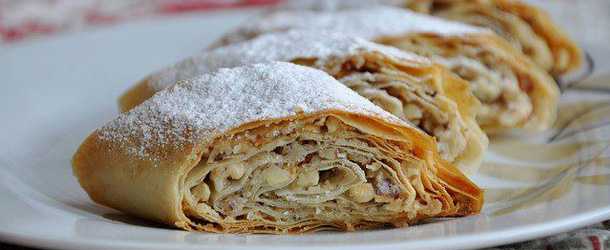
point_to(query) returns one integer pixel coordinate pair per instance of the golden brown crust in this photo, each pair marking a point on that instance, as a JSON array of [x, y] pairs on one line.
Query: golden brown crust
[[559, 43], [135, 95], [522, 97], [152, 189], [113, 177], [567, 56], [458, 90], [453, 94], [158, 160], [469, 196], [544, 93]]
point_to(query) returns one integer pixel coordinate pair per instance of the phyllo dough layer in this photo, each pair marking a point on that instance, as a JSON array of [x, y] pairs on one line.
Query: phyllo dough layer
[[525, 26], [528, 28], [269, 148], [404, 84], [515, 93]]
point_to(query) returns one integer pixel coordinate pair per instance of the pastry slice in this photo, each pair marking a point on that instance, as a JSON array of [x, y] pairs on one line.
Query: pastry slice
[[269, 148], [515, 93], [404, 84], [527, 27]]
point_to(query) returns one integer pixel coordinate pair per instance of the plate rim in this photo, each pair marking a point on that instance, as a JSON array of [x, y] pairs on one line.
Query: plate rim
[[479, 240]]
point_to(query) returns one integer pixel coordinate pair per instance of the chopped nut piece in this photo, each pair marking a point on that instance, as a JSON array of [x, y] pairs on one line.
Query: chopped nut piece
[[236, 171], [275, 176], [385, 187], [332, 124], [201, 191], [237, 148], [362, 192], [373, 166], [308, 178], [218, 178]]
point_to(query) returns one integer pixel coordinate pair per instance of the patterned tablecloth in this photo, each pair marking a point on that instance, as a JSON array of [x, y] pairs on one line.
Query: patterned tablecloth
[[31, 19]]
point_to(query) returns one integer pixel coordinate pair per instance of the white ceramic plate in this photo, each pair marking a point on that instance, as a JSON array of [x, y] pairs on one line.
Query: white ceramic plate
[[56, 91]]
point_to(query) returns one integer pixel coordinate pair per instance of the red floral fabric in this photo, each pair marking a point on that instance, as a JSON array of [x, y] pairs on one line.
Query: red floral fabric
[[21, 19]]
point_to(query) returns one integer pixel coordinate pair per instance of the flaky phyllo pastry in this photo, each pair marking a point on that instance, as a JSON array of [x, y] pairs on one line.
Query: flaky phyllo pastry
[[269, 148], [526, 27], [515, 93], [406, 85]]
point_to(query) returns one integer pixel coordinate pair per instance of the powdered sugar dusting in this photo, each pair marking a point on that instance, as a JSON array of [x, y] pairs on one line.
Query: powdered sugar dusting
[[198, 110], [368, 23], [282, 46]]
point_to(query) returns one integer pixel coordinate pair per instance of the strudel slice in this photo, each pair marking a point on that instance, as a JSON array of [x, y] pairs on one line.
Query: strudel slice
[[408, 86], [514, 91], [269, 148]]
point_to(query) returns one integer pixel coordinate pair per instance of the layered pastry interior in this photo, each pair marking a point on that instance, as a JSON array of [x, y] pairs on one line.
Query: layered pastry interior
[[514, 91], [408, 93], [313, 174], [503, 89], [526, 27], [408, 86], [269, 148]]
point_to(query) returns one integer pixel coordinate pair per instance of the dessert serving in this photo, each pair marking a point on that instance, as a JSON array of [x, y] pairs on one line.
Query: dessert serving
[[514, 92], [269, 148], [408, 86], [527, 27]]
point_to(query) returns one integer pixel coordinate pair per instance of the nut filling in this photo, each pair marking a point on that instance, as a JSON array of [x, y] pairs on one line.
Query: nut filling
[[511, 27], [501, 90], [313, 168], [408, 97]]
